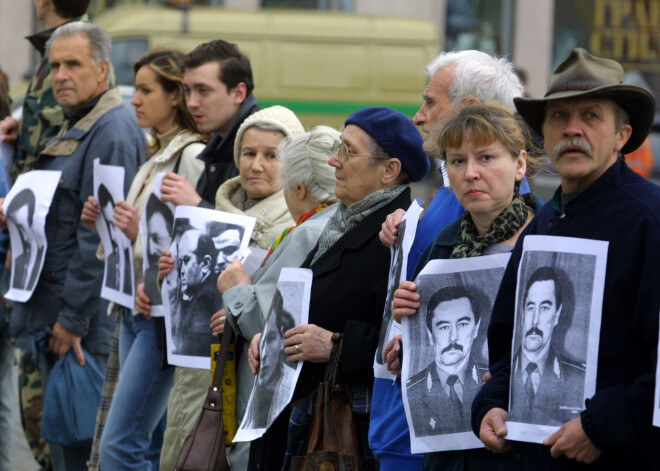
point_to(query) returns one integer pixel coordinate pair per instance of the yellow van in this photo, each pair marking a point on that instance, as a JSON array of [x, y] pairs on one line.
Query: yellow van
[[323, 65]]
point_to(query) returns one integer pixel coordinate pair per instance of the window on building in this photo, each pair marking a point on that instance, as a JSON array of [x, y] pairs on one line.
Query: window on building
[[342, 5], [482, 25]]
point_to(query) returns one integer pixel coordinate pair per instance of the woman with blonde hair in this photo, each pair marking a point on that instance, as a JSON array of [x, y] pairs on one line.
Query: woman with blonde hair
[[484, 148]]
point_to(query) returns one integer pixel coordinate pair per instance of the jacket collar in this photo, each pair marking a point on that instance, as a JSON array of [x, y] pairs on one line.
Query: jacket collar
[[596, 190], [39, 40], [218, 145], [67, 140], [356, 237]]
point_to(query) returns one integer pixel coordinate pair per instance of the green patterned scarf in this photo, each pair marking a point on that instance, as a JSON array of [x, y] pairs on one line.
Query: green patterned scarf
[[503, 227]]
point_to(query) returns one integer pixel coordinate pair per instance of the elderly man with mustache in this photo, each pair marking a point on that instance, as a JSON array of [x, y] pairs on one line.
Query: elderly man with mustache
[[589, 119]]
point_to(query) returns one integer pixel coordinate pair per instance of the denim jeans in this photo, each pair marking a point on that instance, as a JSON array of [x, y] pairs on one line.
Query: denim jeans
[[7, 394], [133, 434], [66, 458]]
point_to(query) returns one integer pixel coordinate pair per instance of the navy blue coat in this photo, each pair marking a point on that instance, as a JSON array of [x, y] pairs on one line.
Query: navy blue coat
[[623, 208]]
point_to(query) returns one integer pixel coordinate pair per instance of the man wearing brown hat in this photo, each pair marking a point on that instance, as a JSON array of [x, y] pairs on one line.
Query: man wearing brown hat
[[589, 119]]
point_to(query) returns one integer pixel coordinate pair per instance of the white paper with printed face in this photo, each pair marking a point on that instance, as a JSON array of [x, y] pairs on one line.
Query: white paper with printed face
[[276, 381], [26, 207], [118, 275], [446, 352], [398, 267], [156, 225], [554, 352], [204, 242]]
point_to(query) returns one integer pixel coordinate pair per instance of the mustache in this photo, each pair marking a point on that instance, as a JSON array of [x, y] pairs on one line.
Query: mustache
[[534, 330], [65, 84], [574, 143], [452, 346]]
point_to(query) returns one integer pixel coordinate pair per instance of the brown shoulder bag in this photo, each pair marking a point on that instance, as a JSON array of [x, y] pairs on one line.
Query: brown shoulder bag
[[204, 449]]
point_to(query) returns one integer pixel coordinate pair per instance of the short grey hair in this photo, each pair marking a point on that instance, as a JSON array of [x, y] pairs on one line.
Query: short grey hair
[[305, 160], [488, 78], [100, 43]]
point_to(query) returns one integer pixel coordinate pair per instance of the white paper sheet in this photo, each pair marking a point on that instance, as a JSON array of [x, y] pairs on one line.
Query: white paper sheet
[[398, 268], [27, 206], [118, 275], [189, 291], [460, 294], [559, 301], [156, 226], [276, 381]]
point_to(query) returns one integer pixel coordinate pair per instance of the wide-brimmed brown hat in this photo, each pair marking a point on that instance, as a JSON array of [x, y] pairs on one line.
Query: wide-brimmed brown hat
[[582, 75]]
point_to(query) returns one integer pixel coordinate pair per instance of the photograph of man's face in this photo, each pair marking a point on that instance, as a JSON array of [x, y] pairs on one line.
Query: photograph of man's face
[[159, 236], [541, 315], [194, 268], [227, 243], [453, 329]]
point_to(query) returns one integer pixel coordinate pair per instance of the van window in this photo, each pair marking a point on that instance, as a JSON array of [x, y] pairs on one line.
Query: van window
[[124, 53]]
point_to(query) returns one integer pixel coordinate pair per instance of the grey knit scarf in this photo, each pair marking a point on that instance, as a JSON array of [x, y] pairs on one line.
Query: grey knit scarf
[[347, 217], [239, 199]]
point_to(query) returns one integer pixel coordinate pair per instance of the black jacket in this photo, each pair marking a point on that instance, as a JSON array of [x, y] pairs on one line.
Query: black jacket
[[622, 208], [218, 156], [348, 295]]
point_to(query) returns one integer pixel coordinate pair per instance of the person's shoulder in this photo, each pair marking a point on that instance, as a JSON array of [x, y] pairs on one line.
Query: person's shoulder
[[475, 372], [571, 368], [419, 380]]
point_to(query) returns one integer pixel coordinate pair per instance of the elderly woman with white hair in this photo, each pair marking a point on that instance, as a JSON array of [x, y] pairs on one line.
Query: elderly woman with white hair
[[308, 184]]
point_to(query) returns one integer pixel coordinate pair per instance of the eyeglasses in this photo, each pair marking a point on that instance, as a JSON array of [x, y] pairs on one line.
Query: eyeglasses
[[342, 152]]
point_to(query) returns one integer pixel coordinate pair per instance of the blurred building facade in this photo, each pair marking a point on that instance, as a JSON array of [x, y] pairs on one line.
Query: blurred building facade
[[535, 34]]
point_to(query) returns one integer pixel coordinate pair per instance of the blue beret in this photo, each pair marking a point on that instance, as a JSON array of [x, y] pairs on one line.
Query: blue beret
[[397, 134]]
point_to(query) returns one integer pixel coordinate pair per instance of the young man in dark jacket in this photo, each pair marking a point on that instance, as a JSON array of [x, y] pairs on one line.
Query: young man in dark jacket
[[218, 82]]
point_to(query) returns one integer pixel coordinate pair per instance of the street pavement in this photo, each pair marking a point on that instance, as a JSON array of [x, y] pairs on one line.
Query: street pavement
[[22, 459]]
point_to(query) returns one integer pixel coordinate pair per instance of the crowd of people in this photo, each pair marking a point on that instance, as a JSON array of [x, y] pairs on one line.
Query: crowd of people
[[331, 201]]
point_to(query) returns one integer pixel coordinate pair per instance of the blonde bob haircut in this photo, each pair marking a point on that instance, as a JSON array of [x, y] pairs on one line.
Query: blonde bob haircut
[[485, 124]]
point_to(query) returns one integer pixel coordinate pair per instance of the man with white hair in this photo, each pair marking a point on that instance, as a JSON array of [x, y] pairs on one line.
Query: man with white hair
[[456, 79], [66, 298]]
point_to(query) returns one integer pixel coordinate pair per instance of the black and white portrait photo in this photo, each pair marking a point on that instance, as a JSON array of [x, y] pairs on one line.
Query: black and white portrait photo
[[26, 207], [445, 343], [274, 384], [398, 265], [203, 242], [558, 308], [156, 225], [118, 278]]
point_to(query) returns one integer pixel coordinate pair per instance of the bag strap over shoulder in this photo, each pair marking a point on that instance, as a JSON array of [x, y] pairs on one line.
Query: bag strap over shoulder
[[180, 154], [225, 340]]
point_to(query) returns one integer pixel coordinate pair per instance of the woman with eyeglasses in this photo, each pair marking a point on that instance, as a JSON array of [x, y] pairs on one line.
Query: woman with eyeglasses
[[379, 154]]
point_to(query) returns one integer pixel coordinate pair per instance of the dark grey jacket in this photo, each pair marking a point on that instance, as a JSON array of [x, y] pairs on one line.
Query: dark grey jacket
[[69, 287]]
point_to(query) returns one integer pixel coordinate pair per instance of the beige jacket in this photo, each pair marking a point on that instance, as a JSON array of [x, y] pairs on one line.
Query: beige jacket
[[162, 161], [272, 213]]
